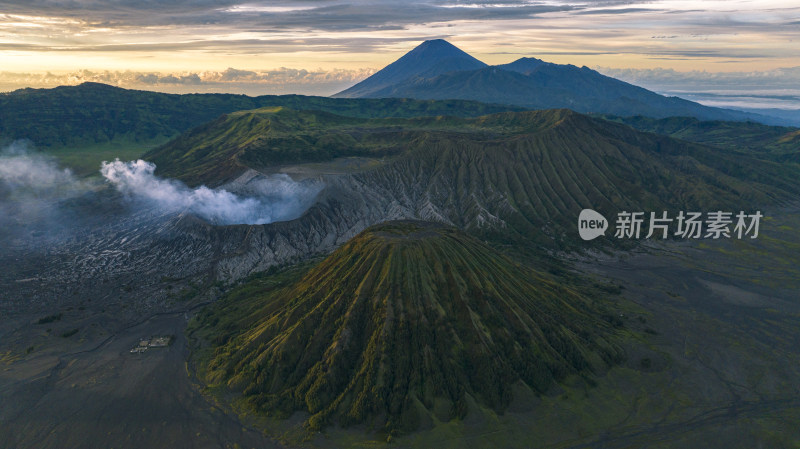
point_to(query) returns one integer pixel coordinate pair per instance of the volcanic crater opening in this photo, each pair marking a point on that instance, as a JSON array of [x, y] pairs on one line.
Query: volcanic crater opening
[[263, 199]]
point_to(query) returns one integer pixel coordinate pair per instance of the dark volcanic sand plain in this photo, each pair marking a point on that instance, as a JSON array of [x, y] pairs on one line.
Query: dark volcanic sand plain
[[94, 393]]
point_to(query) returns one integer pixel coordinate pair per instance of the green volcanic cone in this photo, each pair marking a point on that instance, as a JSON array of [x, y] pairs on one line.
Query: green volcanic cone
[[407, 321]]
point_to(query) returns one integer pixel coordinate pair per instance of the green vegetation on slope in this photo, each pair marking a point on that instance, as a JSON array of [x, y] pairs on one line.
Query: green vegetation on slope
[[539, 176], [778, 143], [403, 326], [512, 177], [222, 149], [214, 152], [85, 160], [95, 114]]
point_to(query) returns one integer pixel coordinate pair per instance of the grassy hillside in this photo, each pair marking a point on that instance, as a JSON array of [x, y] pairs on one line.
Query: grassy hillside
[[220, 150], [406, 325], [93, 114], [777, 143]]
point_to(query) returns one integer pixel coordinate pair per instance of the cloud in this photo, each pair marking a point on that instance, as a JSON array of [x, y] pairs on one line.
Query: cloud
[[172, 35], [603, 11], [357, 15], [280, 81], [781, 78], [777, 88], [318, 15], [275, 198]]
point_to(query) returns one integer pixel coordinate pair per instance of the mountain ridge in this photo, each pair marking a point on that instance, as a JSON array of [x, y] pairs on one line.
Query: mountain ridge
[[512, 178], [536, 84], [430, 58], [98, 114]]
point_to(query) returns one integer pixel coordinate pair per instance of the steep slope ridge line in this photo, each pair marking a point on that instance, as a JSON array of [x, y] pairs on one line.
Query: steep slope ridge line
[[406, 323]]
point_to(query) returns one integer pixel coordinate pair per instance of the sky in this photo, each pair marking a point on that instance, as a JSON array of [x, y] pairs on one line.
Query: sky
[[322, 46]]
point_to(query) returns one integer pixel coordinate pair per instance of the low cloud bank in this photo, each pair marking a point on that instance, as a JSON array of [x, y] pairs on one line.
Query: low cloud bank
[[281, 80], [776, 88]]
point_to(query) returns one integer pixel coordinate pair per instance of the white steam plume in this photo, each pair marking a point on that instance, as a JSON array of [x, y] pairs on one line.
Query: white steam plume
[[277, 197], [32, 186], [21, 169]]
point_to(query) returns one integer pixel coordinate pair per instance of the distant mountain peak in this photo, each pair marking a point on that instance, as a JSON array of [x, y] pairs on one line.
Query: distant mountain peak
[[436, 42], [527, 59], [437, 45], [431, 58], [523, 65], [429, 51], [95, 85], [438, 70]]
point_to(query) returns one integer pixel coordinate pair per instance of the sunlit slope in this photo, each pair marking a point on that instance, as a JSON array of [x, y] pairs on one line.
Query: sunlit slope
[[408, 323]]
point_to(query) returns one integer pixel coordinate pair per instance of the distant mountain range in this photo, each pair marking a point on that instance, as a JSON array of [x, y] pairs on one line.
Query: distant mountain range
[[437, 69]]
